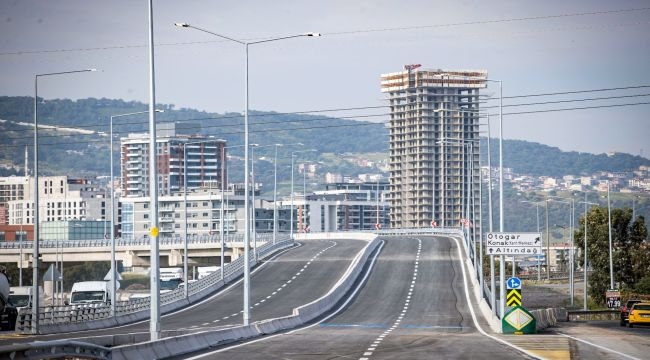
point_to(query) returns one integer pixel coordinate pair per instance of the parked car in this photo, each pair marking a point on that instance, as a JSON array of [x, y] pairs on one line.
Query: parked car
[[625, 310], [639, 314]]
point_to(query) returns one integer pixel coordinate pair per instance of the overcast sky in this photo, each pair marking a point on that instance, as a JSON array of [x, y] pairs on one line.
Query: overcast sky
[[534, 47]]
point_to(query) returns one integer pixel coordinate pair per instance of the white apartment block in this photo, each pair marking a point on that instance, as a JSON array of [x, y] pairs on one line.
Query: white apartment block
[[60, 198]]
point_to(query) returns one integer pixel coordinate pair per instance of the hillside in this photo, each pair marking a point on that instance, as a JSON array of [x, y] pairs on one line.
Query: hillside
[[85, 152]]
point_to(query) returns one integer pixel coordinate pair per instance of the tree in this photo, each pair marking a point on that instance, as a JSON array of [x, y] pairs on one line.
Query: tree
[[630, 250]]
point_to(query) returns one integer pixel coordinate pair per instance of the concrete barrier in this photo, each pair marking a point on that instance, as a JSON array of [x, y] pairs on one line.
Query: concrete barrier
[[549, 317]]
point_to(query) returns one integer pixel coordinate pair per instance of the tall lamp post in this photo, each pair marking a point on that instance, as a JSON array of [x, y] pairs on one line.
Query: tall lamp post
[[154, 317], [293, 156], [113, 265], [252, 190], [246, 44], [185, 246], [584, 266], [570, 202], [609, 224], [537, 212], [35, 289]]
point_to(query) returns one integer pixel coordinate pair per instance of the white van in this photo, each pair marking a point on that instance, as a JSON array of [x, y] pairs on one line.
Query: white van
[[90, 292], [207, 270], [21, 296]]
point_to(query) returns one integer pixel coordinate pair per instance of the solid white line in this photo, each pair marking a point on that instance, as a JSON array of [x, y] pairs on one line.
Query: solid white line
[[601, 347], [471, 308]]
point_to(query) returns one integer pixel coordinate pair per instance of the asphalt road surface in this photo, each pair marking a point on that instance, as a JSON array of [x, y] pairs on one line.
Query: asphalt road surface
[[413, 305], [294, 278]]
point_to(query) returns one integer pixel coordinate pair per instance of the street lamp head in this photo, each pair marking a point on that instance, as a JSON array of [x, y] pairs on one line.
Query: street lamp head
[[182, 24], [160, 110], [315, 34], [91, 69]]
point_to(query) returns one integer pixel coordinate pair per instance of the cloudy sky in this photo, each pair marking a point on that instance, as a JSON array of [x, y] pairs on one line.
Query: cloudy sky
[[594, 55]]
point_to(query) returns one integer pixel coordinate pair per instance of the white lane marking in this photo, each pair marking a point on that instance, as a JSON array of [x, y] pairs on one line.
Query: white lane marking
[[331, 315], [601, 347], [407, 301]]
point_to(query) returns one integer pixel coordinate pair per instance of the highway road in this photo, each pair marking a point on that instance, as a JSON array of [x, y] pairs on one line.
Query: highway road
[[293, 278], [413, 305]]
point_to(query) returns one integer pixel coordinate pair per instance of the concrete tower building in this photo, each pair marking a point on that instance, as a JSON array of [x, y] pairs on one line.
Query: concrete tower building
[[434, 146]]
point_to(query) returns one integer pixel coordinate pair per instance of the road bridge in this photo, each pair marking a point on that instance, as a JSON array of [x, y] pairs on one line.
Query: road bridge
[[132, 253]]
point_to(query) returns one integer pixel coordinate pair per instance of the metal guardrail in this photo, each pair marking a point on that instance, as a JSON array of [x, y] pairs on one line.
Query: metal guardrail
[[202, 239], [61, 315]]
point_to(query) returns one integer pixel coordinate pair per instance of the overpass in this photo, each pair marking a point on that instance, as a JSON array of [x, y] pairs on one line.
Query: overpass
[[132, 253]]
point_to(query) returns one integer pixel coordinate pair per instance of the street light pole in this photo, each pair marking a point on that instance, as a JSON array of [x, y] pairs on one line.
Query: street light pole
[[252, 175], [246, 310], [154, 322], [113, 264], [293, 156], [275, 194], [36, 210], [586, 254], [609, 223]]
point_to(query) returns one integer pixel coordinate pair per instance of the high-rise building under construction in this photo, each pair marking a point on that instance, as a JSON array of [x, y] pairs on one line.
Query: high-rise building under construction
[[434, 146]]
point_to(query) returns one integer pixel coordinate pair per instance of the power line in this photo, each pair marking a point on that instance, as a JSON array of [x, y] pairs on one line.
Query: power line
[[352, 32], [356, 124], [307, 112], [351, 117], [484, 22]]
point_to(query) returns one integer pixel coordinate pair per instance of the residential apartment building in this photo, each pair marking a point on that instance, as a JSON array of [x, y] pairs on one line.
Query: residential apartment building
[[342, 207], [205, 163], [60, 198], [434, 145], [201, 210]]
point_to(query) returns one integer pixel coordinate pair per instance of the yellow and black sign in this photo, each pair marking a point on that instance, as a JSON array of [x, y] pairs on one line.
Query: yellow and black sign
[[513, 297]]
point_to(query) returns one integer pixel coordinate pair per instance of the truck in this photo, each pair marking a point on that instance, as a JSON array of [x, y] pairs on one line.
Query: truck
[[90, 292], [8, 312], [170, 278]]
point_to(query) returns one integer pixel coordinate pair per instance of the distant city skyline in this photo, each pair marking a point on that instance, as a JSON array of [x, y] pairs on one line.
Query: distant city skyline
[[592, 55]]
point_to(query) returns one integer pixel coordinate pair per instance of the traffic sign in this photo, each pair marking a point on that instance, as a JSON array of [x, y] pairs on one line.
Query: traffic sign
[[513, 297], [613, 298], [434, 223], [513, 283], [514, 243], [518, 321]]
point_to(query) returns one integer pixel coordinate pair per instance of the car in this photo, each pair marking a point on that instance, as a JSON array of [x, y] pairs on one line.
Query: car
[[625, 310], [639, 314]]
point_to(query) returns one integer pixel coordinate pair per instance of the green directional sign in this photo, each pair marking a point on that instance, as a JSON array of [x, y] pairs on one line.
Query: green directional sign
[[518, 321]]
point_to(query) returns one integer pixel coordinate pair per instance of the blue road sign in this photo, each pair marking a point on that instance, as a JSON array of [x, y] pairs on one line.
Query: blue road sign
[[513, 283]]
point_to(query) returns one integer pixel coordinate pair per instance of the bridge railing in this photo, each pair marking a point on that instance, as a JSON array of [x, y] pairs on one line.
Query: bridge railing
[[191, 239], [53, 318]]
